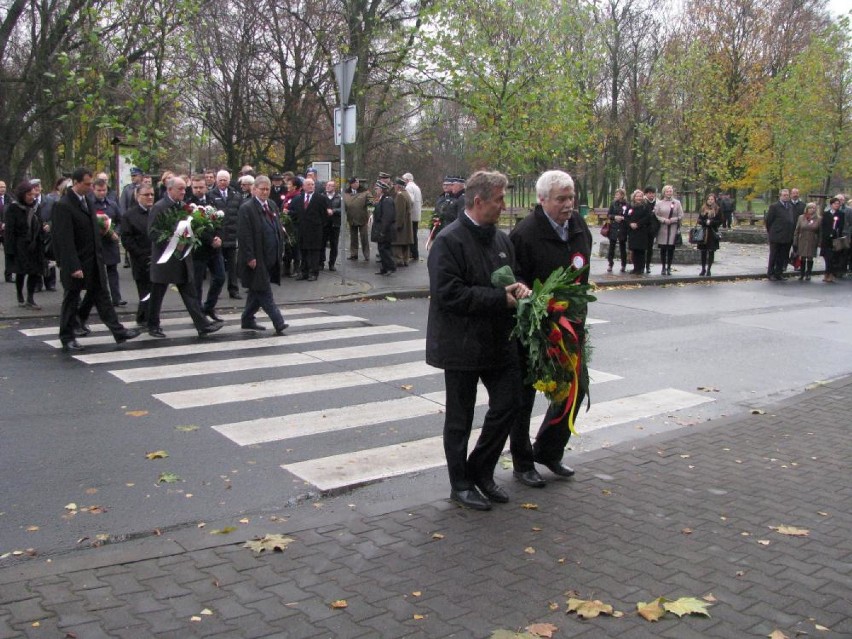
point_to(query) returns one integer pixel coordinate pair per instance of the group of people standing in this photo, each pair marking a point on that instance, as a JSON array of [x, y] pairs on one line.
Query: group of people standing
[[797, 231]]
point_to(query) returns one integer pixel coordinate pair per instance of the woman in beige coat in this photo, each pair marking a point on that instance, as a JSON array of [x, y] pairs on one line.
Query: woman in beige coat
[[669, 212], [806, 239]]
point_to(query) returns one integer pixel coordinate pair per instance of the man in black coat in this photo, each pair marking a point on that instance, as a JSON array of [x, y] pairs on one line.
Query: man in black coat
[[552, 236], [310, 209], [225, 198], [467, 335], [77, 242], [331, 226], [780, 224], [259, 256], [137, 244], [207, 256], [383, 232], [172, 269]]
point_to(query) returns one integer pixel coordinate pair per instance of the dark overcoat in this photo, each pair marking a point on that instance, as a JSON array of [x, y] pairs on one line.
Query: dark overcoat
[[310, 220], [24, 240], [639, 239], [134, 238], [469, 322], [77, 242], [251, 239]]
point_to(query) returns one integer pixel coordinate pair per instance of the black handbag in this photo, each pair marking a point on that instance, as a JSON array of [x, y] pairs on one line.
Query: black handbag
[[696, 235]]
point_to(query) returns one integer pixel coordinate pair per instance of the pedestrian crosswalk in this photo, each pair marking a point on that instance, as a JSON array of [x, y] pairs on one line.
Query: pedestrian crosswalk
[[297, 376]]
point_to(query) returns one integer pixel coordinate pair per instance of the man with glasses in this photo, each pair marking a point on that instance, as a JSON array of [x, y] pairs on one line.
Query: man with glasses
[[134, 238]]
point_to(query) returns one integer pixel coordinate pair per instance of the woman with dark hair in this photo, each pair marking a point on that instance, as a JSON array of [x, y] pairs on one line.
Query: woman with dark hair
[[617, 230], [831, 228], [638, 219], [25, 243], [711, 219]]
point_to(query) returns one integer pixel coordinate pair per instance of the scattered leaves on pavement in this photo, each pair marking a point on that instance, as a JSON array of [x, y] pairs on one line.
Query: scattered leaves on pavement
[[757, 411], [437, 536], [407, 387], [529, 506], [418, 617], [763, 542], [168, 478], [529, 550], [156, 454], [136, 413], [227, 530], [709, 597], [337, 604], [186, 429], [822, 628], [506, 463], [777, 634], [686, 531], [588, 609], [274, 543], [791, 531], [708, 389]]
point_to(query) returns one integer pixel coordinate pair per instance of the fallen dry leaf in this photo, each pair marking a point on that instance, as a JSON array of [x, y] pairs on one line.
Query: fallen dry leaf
[[156, 454], [791, 531], [686, 531], [244, 520], [757, 411], [437, 536], [275, 543], [195, 618], [763, 542], [552, 606], [407, 387], [587, 609], [71, 506], [529, 506], [709, 597], [418, 617], [227, 530], [542, 629], [339, 603], [687, 606], [529, 550], [651, 610], [777, 634], [136, 413], [416, 593], [186, 429], [822, 628], [32, 528], [168, 478], [206, 611]]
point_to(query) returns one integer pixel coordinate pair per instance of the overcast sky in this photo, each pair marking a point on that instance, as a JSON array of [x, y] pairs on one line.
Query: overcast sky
[[839, 6]]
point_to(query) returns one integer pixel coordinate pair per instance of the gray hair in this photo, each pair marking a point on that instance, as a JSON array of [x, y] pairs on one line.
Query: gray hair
[[262, 180], [482, 184], [223, 174], [550, 181]]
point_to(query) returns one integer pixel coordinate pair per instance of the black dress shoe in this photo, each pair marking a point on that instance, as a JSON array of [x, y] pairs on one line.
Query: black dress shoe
[[121, 303], [331, 268], [126, 334], [492, 491], [312, 278], [82, 330], [236, 296], [301, 277], [280, 330], [529, 478], [212, 315], [558, 468], [212, 327], [470, 499], [252, 326], [156, 332], [71, 347]]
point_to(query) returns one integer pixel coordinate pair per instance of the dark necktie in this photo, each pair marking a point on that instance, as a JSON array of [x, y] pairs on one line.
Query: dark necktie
[[307, 200], [268, 212], [84, 204], [224, 195]]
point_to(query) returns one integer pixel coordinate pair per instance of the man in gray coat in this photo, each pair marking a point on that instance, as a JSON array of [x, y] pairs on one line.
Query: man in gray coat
[[780, 224], [259, 255], [174, 270]]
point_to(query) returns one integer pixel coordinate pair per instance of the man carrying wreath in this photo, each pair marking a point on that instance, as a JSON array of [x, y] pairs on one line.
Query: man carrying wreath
[[177, 269], [467, 335], [552, 236]]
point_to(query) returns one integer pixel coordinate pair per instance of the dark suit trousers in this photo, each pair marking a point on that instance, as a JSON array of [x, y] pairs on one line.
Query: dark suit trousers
[[229, 255], [217, 279], [311, 260], [551, 440], [256, 300], [502, 385], [143, 289], [190, 301], [70, 305], [779, 253]]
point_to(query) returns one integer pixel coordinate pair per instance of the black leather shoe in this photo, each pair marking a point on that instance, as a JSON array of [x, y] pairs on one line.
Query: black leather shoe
[[312, 278], [156, 332], [71, 347], [492, 491], [126, 334], [210, 328], [253, 326], [280, 330], [121, 303], [529, 478], [212, 315], [82, 330], [470, 499], [558, 468], [331, 268], [236, 296]]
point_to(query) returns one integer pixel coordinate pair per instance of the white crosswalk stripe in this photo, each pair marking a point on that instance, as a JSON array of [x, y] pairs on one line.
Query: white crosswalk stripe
[[343, 358]]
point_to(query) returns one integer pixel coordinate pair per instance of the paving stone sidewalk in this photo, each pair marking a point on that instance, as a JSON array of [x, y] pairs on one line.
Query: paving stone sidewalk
[[684, 514]]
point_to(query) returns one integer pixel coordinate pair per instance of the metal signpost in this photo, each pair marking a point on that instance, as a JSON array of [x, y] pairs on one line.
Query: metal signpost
[[344, 133]]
